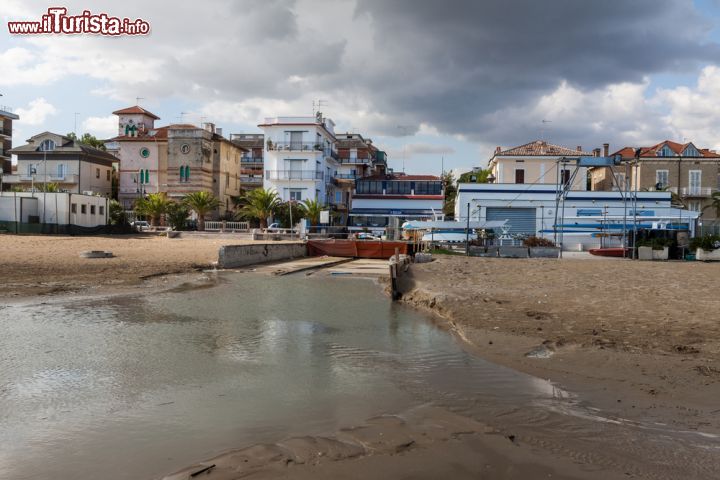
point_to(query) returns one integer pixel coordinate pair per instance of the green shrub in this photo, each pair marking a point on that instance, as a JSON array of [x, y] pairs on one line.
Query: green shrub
[[534, 241], [706, 242]]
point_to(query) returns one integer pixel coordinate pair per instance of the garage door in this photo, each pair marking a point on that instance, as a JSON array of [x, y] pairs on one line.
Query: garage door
[[521, 220]]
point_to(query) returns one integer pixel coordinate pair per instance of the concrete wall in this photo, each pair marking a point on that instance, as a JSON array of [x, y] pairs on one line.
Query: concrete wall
[[231, 256], [52, 209]]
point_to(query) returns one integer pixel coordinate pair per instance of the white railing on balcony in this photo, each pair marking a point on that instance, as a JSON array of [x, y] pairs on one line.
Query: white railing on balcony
[[213, 226], [282, 120], [354, 160], [251, 179], [40, 178], [696, 191], [293, 175]]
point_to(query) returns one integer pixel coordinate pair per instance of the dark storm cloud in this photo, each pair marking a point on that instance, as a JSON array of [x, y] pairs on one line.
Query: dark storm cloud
[[451, 63]]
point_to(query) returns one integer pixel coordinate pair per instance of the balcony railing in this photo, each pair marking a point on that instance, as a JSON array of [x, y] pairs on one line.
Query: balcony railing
[[6, 131], [696, 191], [355, 160], [293, 175], [251, 179], [296, 146], [251, 171], [50, 178], [347, 176], [251, 159]]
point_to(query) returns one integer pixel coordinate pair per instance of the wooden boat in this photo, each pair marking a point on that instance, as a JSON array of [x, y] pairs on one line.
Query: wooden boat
[[610, 252]]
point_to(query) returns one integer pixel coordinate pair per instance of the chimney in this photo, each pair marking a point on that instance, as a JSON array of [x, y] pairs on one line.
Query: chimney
[[596, 152], [210, 127], [218, 131], [578, 148], [498, 149], [606, 149]]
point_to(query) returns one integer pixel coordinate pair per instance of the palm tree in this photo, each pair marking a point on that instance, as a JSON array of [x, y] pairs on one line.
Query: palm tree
[[311, 209], [261, 204], [153, 206], [50, 188], [715, 203], [201, 203]]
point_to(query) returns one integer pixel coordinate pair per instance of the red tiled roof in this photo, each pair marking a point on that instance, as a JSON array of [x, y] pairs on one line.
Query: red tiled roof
[[675, 147], [541, 148], [136, 109]]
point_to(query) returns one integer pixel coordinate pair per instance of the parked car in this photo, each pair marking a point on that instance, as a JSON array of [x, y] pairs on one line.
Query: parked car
[[367, 236], [140, 225]]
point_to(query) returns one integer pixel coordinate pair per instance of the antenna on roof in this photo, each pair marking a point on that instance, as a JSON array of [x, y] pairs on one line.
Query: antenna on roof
[[542, 130], [137, 100], [317, 104], [75, 125], [182, 116]]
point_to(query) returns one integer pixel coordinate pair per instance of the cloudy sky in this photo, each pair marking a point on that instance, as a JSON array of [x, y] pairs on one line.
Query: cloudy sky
[[434, 79]]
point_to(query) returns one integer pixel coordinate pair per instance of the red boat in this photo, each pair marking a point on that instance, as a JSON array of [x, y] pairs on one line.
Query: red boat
[[610, 252]]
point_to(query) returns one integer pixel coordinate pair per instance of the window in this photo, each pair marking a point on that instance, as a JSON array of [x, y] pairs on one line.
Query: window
[[565, 176], [296, 195], [519, 175], [83, 209], [185, 148], [665, 152], [108, 175], [694, 205], [92, 209], [101, 210], [97, 173], [73, 208], [227, 180], [61, 170], [661, 179], [144, 152], [338, 196], [691, 151], [695, 180], [47, 146]]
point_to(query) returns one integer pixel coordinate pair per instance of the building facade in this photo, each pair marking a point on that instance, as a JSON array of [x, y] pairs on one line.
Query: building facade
[[537, 163], [387, 201], [300, 158], [6, 126], [582, 221], [692, 173], [251, 162], [49, 158], [177, 159]]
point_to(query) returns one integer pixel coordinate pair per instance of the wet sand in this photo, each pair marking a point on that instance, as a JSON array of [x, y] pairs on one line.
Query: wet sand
[[641, 339]]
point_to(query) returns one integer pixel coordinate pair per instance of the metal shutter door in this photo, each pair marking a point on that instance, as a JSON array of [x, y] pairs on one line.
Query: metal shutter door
[[521, 220]]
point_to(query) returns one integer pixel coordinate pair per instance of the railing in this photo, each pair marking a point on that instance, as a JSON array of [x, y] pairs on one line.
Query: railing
[[50, 178], [355, 160], [251, 171], [251, 159], [293, 175], [347, 176], [296, 146], [218, 226], [6, 131], [696, 191], [251, 179], [5, 108]]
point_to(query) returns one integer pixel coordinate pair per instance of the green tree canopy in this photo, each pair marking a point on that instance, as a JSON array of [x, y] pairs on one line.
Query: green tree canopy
[[261, 204], [201, 203], [311, 209], [88, 139], [152, 206]]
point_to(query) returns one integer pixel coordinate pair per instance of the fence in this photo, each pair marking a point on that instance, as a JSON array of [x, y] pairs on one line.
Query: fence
[[712, 229], [212, 226]]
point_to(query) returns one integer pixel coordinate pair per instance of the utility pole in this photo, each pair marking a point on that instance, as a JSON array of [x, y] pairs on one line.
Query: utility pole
[[467, 232]]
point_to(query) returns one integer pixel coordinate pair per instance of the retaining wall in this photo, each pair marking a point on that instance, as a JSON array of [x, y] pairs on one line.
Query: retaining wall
[[232, 256]]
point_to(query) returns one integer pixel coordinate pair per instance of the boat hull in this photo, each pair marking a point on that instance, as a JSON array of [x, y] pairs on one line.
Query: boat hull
[[609, 252]]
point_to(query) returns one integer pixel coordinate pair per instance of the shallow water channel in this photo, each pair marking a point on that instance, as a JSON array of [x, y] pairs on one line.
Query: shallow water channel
[[130, 387]]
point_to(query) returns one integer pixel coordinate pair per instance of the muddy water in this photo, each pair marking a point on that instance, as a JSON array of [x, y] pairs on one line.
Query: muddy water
[[135, 387]]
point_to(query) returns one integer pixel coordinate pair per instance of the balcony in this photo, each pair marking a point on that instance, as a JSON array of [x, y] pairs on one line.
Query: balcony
[[293, 175], [251, 159], [693, 191], [296, 147], [7, 132], [347, 176], [68, 178], [251, 171], [253, 180], [355, 160]]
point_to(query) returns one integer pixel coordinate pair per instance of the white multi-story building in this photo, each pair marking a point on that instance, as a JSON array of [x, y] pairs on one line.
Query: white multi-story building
[[300, 157]]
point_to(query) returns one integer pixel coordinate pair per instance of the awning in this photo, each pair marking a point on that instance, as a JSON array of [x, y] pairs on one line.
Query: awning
[[449, 225]]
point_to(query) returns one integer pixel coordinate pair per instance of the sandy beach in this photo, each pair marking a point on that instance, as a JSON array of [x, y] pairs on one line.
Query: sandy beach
[[42, 265], [640, 338]]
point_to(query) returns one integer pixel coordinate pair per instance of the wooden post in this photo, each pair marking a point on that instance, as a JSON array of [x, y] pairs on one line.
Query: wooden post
[[397, 255]]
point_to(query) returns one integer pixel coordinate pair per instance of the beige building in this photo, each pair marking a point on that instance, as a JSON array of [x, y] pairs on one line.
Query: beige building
[[176, 159], [49, 158], [251, 168], [537, 163], [6, 121], [690, 172]]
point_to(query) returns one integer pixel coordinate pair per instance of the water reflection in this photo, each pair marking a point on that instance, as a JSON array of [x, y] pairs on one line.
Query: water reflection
[[135, 386]]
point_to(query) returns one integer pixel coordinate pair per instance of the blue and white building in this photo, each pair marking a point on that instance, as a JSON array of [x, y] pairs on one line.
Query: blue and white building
[[578, 222]]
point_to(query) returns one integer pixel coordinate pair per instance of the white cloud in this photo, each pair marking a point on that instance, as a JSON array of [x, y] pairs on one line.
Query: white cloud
[[36, 112], [101, 127]]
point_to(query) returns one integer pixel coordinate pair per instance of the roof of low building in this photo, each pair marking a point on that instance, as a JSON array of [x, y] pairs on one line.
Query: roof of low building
[[66, 145], [675, 147], [135, 109], [248, 140], [541, 148]]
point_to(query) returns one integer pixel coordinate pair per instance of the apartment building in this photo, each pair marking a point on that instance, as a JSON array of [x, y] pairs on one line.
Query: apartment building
[[538, 163], [176, 159], [692, 173], [6, 121], [49, 158], [300, 158], [251, 162]]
